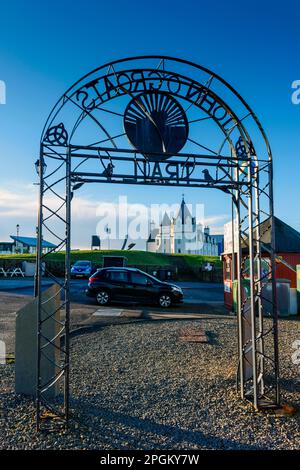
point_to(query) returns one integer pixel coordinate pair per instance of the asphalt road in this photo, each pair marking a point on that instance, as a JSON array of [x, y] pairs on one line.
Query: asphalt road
[[194, 292]]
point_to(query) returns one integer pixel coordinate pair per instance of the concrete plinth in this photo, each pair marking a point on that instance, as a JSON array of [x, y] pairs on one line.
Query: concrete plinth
[[26, 344]]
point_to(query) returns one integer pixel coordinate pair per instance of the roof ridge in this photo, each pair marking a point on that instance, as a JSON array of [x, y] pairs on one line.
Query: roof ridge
[[32, 241], [166, 219]]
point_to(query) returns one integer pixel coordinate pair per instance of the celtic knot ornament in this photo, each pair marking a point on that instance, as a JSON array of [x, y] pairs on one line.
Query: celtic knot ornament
[[156, 122], [57, 135]]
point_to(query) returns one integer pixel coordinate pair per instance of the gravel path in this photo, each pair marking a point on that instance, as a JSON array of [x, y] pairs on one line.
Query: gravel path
[[136, 386]]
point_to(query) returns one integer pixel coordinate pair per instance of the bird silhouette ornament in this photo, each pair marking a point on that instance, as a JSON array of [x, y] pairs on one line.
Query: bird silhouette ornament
[[209, 179], [207, 176], [108, 172]]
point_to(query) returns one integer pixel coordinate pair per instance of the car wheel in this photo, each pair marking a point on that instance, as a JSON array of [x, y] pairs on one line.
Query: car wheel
[[102, 297], [165, 300]]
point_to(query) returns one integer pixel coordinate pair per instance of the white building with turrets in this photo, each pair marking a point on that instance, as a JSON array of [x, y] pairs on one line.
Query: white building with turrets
[[181, 234]]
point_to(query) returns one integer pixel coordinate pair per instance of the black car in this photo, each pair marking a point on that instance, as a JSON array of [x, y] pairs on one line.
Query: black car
[[129, 284]]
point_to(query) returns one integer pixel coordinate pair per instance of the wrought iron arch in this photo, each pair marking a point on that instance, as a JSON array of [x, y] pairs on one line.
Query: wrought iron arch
[[153, 102]]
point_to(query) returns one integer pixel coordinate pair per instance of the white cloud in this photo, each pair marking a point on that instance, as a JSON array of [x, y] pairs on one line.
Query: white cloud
[[216, 223], [19, 203], [20, 206], [23, 202]]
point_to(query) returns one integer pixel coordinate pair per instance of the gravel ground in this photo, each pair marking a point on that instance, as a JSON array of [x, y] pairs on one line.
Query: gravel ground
[[136, 386], [9, 305]]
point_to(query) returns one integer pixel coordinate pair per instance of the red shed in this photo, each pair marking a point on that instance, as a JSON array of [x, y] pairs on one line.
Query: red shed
[[287, 248]]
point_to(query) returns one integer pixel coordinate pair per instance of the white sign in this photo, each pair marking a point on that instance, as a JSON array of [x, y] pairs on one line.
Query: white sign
[[228, 236]]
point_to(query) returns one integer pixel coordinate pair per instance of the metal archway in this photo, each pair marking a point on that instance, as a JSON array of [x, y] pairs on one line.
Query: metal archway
[[157, 120]]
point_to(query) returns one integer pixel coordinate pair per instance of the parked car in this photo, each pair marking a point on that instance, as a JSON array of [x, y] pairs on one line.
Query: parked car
[[130, 284], [82, 269]]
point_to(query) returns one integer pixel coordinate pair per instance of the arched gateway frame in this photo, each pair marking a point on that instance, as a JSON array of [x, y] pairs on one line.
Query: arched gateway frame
[[154, 120]]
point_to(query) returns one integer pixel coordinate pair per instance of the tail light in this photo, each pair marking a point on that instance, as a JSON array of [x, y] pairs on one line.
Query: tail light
[[92, 279]]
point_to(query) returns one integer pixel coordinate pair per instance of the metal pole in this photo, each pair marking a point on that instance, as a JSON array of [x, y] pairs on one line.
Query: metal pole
[[233, 260], [35, 287], [274, 287], [252, 291], [39, 291], [240, 298], [233, 211], [238, 274], [259, 283], [67, 286]]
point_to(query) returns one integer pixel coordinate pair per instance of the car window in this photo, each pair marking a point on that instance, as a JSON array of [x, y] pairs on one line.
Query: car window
[[120, 276], [138, 278], [100, 274]]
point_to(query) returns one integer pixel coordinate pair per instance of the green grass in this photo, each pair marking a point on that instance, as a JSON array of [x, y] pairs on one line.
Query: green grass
[[195, 260], [137, 258]]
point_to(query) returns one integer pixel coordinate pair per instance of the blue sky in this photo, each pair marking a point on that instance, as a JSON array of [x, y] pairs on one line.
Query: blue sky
[[46, 46]]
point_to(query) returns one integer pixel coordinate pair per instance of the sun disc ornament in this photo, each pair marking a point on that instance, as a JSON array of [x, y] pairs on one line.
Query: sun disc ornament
[[155, 122]]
